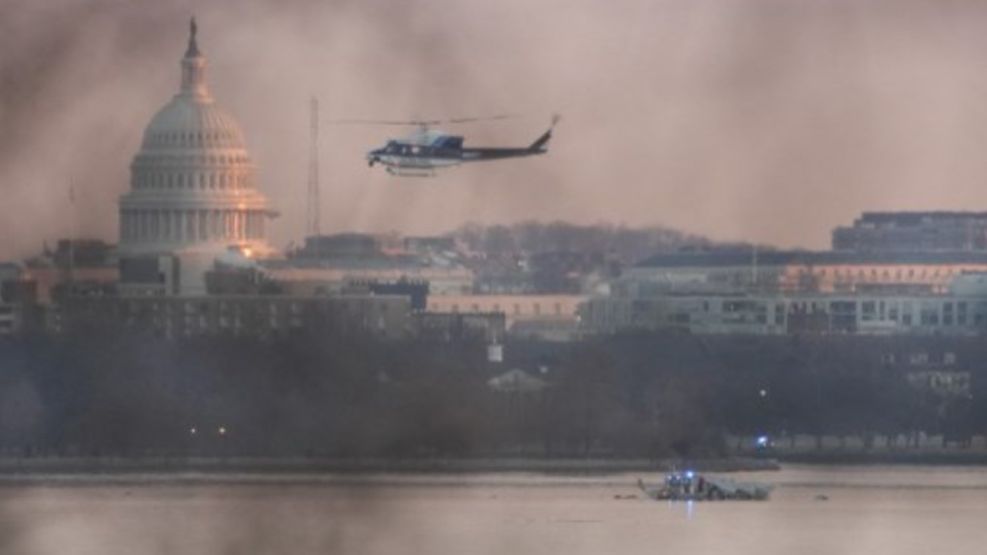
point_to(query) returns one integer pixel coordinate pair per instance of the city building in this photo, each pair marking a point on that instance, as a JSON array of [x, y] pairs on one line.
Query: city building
[[454, 326], [733, 271], [193, 193], [10, 271], [569, 271], [962, 310], [9, 320], [387, 316], [913, 231], [430, 244], [554, 317], [79, 264], [331, 263], [318, 278], [339, 245], [890, 273], [19, 309]]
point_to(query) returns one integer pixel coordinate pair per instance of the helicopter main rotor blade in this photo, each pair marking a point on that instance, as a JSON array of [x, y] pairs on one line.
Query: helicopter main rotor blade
[[483, 118], [416, 123], [419, 122]]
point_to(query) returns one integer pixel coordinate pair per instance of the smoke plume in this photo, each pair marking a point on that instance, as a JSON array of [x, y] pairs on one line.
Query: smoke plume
[[764, 120]]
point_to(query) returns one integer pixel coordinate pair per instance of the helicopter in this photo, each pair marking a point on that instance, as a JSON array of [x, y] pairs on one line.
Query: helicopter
[[427, 149]]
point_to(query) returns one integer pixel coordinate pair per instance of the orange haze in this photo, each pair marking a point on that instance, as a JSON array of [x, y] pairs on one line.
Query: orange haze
[[767, 120]]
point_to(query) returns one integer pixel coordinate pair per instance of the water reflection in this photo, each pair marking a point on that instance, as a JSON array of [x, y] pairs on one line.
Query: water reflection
[[870, 510]]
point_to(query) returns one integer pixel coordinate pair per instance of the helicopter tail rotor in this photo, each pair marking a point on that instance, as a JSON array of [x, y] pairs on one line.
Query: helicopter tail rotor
[[541, 143]]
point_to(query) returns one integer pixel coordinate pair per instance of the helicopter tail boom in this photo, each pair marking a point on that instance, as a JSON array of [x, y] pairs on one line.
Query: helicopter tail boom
[[540, 146]]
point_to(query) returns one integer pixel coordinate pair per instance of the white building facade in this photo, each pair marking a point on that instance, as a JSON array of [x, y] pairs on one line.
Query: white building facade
[[960, 311], [193, 194]]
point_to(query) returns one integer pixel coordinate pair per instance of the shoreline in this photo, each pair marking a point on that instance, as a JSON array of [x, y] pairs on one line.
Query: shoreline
[[12, 468], [923, 458]]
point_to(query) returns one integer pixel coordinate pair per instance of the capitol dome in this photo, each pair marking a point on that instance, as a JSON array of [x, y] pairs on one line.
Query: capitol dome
[[188, 122], [193, 186]]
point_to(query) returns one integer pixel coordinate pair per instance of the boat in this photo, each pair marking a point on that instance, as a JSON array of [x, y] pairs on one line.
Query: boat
[[692, 486]]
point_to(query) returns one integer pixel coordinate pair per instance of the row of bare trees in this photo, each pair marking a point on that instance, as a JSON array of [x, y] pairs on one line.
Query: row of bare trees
[[330, 393]]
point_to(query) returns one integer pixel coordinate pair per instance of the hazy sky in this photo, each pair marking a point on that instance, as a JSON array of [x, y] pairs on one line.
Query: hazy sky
[[767, 120]]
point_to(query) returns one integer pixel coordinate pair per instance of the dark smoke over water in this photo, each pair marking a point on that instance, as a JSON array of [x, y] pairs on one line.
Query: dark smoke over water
[[765, 120]]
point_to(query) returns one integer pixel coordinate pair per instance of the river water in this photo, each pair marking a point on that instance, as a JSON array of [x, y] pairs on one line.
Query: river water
[[872, 510]]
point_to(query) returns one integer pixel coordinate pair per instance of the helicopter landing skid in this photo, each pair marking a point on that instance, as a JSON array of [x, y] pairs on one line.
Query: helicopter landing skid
[[397, 172]]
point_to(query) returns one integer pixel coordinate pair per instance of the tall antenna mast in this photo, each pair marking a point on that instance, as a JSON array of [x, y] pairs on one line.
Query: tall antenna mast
[[72, 236], [754, 275], [313, 209]]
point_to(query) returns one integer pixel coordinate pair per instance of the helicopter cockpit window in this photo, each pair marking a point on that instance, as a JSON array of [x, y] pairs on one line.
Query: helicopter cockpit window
[[392, 147]]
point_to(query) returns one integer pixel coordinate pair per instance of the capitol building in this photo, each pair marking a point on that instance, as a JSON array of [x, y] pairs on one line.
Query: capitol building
[[193, 194]]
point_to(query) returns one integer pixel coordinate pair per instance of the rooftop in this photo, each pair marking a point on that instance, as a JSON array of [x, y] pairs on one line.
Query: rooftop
[[915, 218], [796, 257]]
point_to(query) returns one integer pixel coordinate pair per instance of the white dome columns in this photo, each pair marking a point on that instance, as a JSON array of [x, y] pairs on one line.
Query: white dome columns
[[179, 227], [192, 193]]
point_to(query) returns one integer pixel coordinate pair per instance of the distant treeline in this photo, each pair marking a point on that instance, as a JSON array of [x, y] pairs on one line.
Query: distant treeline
[[108, 392], [626, 244]]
